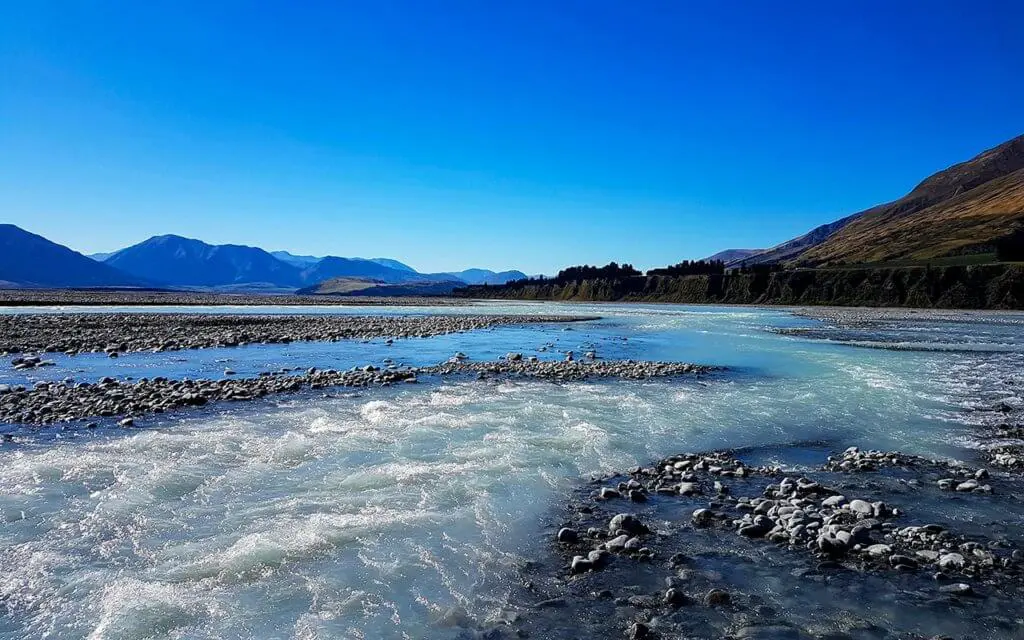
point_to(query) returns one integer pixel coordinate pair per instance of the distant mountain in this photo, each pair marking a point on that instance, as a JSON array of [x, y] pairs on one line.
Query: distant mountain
[[371, 287], [296, 261], [394, 264], [733, 255], [304, 262], [99, 257], [967, 208], [333, 267], [182, 261], [486, 276], [28, 260]]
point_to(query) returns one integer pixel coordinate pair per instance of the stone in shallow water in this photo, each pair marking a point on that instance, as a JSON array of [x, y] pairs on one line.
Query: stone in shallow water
[[676, 598], [860, 507], [957, 589], [879, 550], [598, 558], [638, 631], [702, 517], [626, 522], [617, 543], [969, 485], [581, 564], [770, 632], [566, 534], [952, 561], [834, 501]]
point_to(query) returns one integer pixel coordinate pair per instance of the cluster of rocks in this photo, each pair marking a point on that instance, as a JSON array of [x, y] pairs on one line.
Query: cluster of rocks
[[797, 512], [121, 333], [66, 401], [952, 477], [1006, 445], [707, 545], [77, 297], [30, 361], [573, 370], [1008, 457]]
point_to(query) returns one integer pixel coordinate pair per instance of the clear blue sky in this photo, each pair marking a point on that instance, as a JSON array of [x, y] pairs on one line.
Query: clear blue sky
[[521, 134]]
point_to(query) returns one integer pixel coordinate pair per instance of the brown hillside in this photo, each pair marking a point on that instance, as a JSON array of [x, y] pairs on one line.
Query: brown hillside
[[964, 208]]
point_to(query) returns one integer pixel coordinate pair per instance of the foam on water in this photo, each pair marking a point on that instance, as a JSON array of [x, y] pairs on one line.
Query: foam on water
[[406, 512]]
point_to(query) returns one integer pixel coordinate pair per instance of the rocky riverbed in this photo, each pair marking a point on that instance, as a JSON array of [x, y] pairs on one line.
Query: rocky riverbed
[[710, 546], [68, 401], [91, 297], [569, 370], [117, 333]]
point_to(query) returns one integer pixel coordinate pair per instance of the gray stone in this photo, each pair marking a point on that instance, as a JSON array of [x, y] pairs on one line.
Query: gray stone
[[862, 508], [952, 561]]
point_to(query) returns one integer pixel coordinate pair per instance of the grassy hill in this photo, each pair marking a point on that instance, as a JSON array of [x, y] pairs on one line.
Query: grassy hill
[[962, 210]]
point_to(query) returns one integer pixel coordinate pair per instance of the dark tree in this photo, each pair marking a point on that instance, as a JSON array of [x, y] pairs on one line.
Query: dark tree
[[691, 268]]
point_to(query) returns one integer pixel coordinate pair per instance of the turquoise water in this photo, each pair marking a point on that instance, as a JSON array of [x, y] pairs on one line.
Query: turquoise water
[[376, 514]]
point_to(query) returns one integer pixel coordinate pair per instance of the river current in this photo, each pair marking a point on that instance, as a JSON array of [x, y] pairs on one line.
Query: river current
[[409, 512]]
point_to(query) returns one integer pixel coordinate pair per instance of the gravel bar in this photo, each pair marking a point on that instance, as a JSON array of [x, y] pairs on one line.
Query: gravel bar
[[574, 370], [67, 401], [116, 333]]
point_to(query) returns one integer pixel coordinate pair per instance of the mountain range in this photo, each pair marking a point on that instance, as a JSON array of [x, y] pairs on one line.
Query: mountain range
[[966, 209], [172, 261], [28, 260], [177, 261]]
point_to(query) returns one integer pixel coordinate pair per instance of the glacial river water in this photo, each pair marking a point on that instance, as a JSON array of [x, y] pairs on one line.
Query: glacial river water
[[409, 512]]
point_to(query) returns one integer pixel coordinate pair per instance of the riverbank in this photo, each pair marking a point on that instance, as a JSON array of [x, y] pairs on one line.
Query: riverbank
[[997, 286]]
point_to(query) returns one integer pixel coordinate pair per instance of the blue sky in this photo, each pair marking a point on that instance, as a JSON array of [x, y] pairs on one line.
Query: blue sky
[[524, 134]]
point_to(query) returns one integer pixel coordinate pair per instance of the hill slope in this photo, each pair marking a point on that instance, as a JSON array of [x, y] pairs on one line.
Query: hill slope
[[962, 209], [734, 255], [28, 260], [792, 249], [183, 261], [965, 208]]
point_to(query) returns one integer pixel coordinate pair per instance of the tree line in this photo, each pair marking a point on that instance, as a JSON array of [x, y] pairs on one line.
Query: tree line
[[615, 271]]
